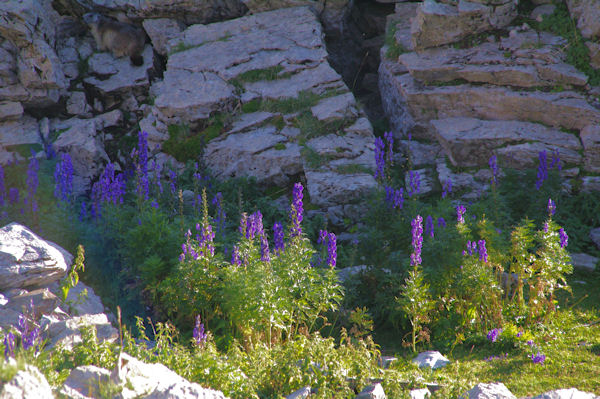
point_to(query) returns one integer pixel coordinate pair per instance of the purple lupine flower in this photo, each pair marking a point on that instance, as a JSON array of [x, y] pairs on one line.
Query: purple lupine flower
[[9, 345], [254, 225], [13, 195], [2, 187], [32, 183], [417, 240], [82, 211], [379, 158], [551, 207], [555, 160], [331, 250], [110, 188], [471, 248], [296, 211], [492, 335], [323, 235], [140, 155], [220, 217], [173, 181], [243, 224], [389, 138], [530, 343], [154, 204], [545, 227], [460, 212], [199, 334], [441, 222], [49, 151], [398, 199], [519, 334], [414, 183], [493, 162], [63, 178], [235, 256], [265, 256], [483, 255], [205, 237], [429, 226], [542, 170], [538, 358], [564, 238], [447, 188], [278, 237]]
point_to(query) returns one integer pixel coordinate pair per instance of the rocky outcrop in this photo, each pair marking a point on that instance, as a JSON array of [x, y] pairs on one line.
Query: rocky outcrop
[[495, 390], [28, 383], [431, 359], [587, 15]]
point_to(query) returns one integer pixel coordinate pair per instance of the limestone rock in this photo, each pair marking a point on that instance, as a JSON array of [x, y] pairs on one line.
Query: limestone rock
[[301, 393], [160, 31], [155, 381], [595, 236], [425, 181], [569, 393], [542, 11], [494, 390], [328, 188], [67, 332], [587, 14], [16, 135], [83, 382], [420, 393], [374, 391], [471, 142], [594, 49], [10, 110], [590, 183], [28, 261], [421, 154], [27, 384], [431, 359], [333, 108], [77, 104], [584, 262], [80, 303], [43, 301], [590, 138]]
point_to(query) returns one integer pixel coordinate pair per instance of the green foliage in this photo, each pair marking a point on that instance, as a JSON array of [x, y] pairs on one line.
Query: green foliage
[[394, 49], [184, 145], [257, 75], [353, 168], [73, 278]]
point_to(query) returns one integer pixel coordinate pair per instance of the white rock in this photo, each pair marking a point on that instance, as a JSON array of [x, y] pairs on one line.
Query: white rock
[[374, 391], [489, 391], [301, 393], [27, 384], [67, 332], [420, 393], [84, 381], [26, 260], [431, 359], [570, 393]]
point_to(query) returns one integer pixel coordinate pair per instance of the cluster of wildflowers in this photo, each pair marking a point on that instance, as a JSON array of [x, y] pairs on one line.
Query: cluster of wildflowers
[[429, 226], [417, 240], [49, 151], [447, 188], [30, 336], [551, 207], [251, 226], [564, 238], [493, 334], [414, 183], [199, 334], [9, 345], [235, 256], [13, 195], [265, 255], [395, 198], [460, 213], [187, 249], [63, 178], [538, 357], [156, 169], [205, 237], [477, 248], [32, 184], [494, 357], [109, 188], [140, 155], [493, 162], [331, 241], [278, 238], [297, 210], [555, 160], [220, 212], [542, 170], [379, 158]]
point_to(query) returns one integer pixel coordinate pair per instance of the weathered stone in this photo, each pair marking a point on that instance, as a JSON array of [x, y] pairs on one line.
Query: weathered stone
[[155, 381], [374, 391], [420, 393], [471, 142], [249, 121], [84, 382], [394, 103], [67, 332], [77, 104], [584, 262], [595, 236], [590, 137], [495, 390], [10, 110], [301, 393], [338, 107], [590, 183], [327, 188], [27, 384], [28, 261], [460, 181], [569, 393], [594, 49], [431, 359], [43, 301], [15, 135], [421, 154], [254, 154], [81, 303], [542, 11], [587, 14], [160, 31]]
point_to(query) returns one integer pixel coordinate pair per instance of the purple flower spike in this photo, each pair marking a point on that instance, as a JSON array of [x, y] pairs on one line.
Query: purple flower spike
[[63, 178], [564, 238], [414, 183], [297, 210], [235, 256], [447, 188], [542, 170], [460, 212], [199, 334], [9, 345], [265, 256], [331, 250], [493, 162], [2, 187], [538, 358], [389, 138], [555, 160], [483, 255], [417, 240], [13, 195], [278, 237], [492, 336], [551, 207], [379, 158], [429, 226]]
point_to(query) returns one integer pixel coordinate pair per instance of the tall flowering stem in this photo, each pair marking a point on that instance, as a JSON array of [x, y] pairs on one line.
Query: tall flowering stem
[[379, 158], [460, 213], [429, 226], [551, 207], [542, 170], [414, 183], [417, 240], [220, 213], [493, 162], [140, 155], [278, 237], [63, 178], [199, 334], [389, 139], [297, 211], [447, 188]]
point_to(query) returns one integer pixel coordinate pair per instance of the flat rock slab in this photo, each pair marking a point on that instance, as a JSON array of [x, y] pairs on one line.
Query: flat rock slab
[[67, 332], [374, 391], [26, 260], [27, 384], [471, 142], [431, 359], [328, 188], [84, 382], [584, 262], [569, 393], [489, 391], [590, 138]]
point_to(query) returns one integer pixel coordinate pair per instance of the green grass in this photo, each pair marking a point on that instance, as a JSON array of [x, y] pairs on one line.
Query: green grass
[[394, 49], [353, 169], [25, 150], [313, 127], [184, 144]]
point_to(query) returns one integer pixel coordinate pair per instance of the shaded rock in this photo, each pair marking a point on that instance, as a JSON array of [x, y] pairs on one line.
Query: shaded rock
[[431, 359], [421, 154], [26, 260], [594, 49], [595, 236], [155, 381], [16, 136], [590, 183], [348, 272], [338, 107], [374, 391], [84, 381], [160, 31], [27, 384], [542, 11], [301, 393], [488, 391], [43, 301], [587, 14], [525, 155], [10, 110], [590, 138], [327, 188], [67, 332], [584, 262], [81, 303], [77, 104], [569, 393], [401, 21]]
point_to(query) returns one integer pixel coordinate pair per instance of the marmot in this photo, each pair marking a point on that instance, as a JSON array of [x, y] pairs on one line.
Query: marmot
[[117, 37]]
